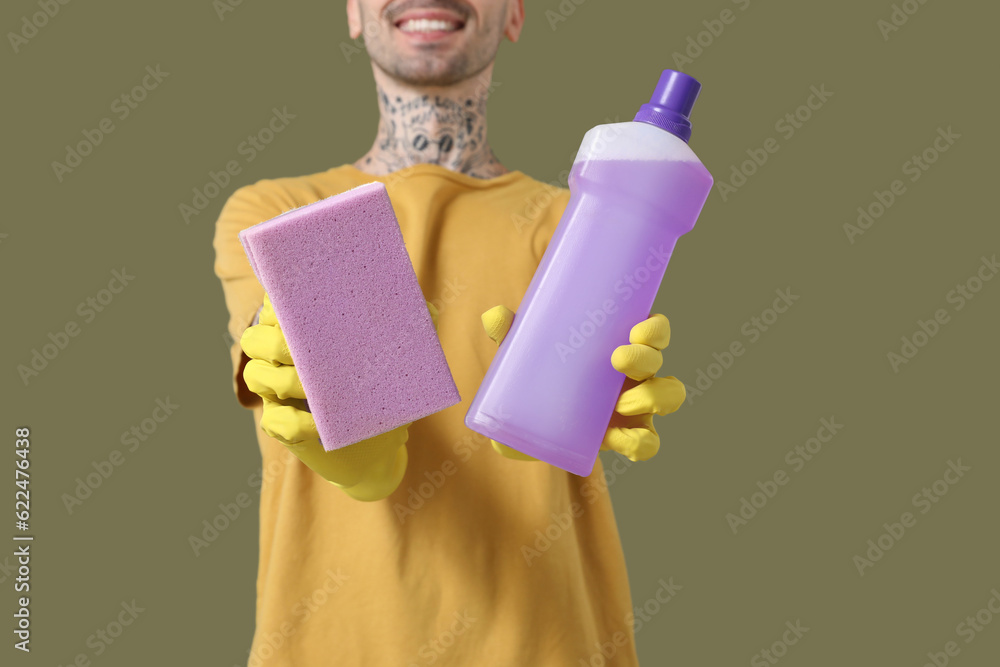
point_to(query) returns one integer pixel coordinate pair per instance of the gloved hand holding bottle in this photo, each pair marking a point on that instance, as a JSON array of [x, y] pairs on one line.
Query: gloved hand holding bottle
[[367, 470], [635, 188], [630, 432]]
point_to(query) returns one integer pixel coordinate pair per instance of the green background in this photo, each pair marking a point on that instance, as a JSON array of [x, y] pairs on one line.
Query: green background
[[164, 336]]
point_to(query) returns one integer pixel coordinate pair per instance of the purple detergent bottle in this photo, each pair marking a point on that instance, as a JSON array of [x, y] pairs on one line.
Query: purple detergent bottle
[[635, 187]]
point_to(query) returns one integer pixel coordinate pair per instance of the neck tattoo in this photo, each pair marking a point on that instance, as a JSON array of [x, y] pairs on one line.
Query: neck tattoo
[[431, 129]]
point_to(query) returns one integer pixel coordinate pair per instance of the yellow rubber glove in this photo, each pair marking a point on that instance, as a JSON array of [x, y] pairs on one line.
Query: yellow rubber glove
[[368, 470], [630, 431]]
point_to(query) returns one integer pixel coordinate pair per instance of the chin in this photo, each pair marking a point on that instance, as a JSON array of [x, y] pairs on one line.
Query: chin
[[431, 72]]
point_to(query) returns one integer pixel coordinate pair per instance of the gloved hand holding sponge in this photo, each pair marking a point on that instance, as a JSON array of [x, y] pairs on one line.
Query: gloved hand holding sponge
[[368, 470], [367, 352]]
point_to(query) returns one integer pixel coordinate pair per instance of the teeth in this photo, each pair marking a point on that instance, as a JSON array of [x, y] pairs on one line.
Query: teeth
[[427, 25]]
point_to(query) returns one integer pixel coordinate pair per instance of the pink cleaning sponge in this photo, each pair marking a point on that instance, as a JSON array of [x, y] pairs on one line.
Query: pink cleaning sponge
[[351, 309]]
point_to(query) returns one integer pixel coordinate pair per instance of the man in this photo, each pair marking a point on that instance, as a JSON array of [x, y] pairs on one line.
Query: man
[[470, 557]]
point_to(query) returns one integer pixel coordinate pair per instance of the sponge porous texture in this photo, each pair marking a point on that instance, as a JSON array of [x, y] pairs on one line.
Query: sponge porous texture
[[355, 319]]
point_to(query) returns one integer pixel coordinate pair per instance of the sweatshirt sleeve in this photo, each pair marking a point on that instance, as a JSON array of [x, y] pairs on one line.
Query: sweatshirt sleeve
[[243, 293]]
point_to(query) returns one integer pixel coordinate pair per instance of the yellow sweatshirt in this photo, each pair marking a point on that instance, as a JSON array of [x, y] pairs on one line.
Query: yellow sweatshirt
[[475, 560]]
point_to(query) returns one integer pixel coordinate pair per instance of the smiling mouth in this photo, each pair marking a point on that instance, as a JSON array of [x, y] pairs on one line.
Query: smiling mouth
[[428, 25]]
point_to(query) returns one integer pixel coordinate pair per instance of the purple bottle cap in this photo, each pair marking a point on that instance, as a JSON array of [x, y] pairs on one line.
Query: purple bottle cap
[[671, 103]]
